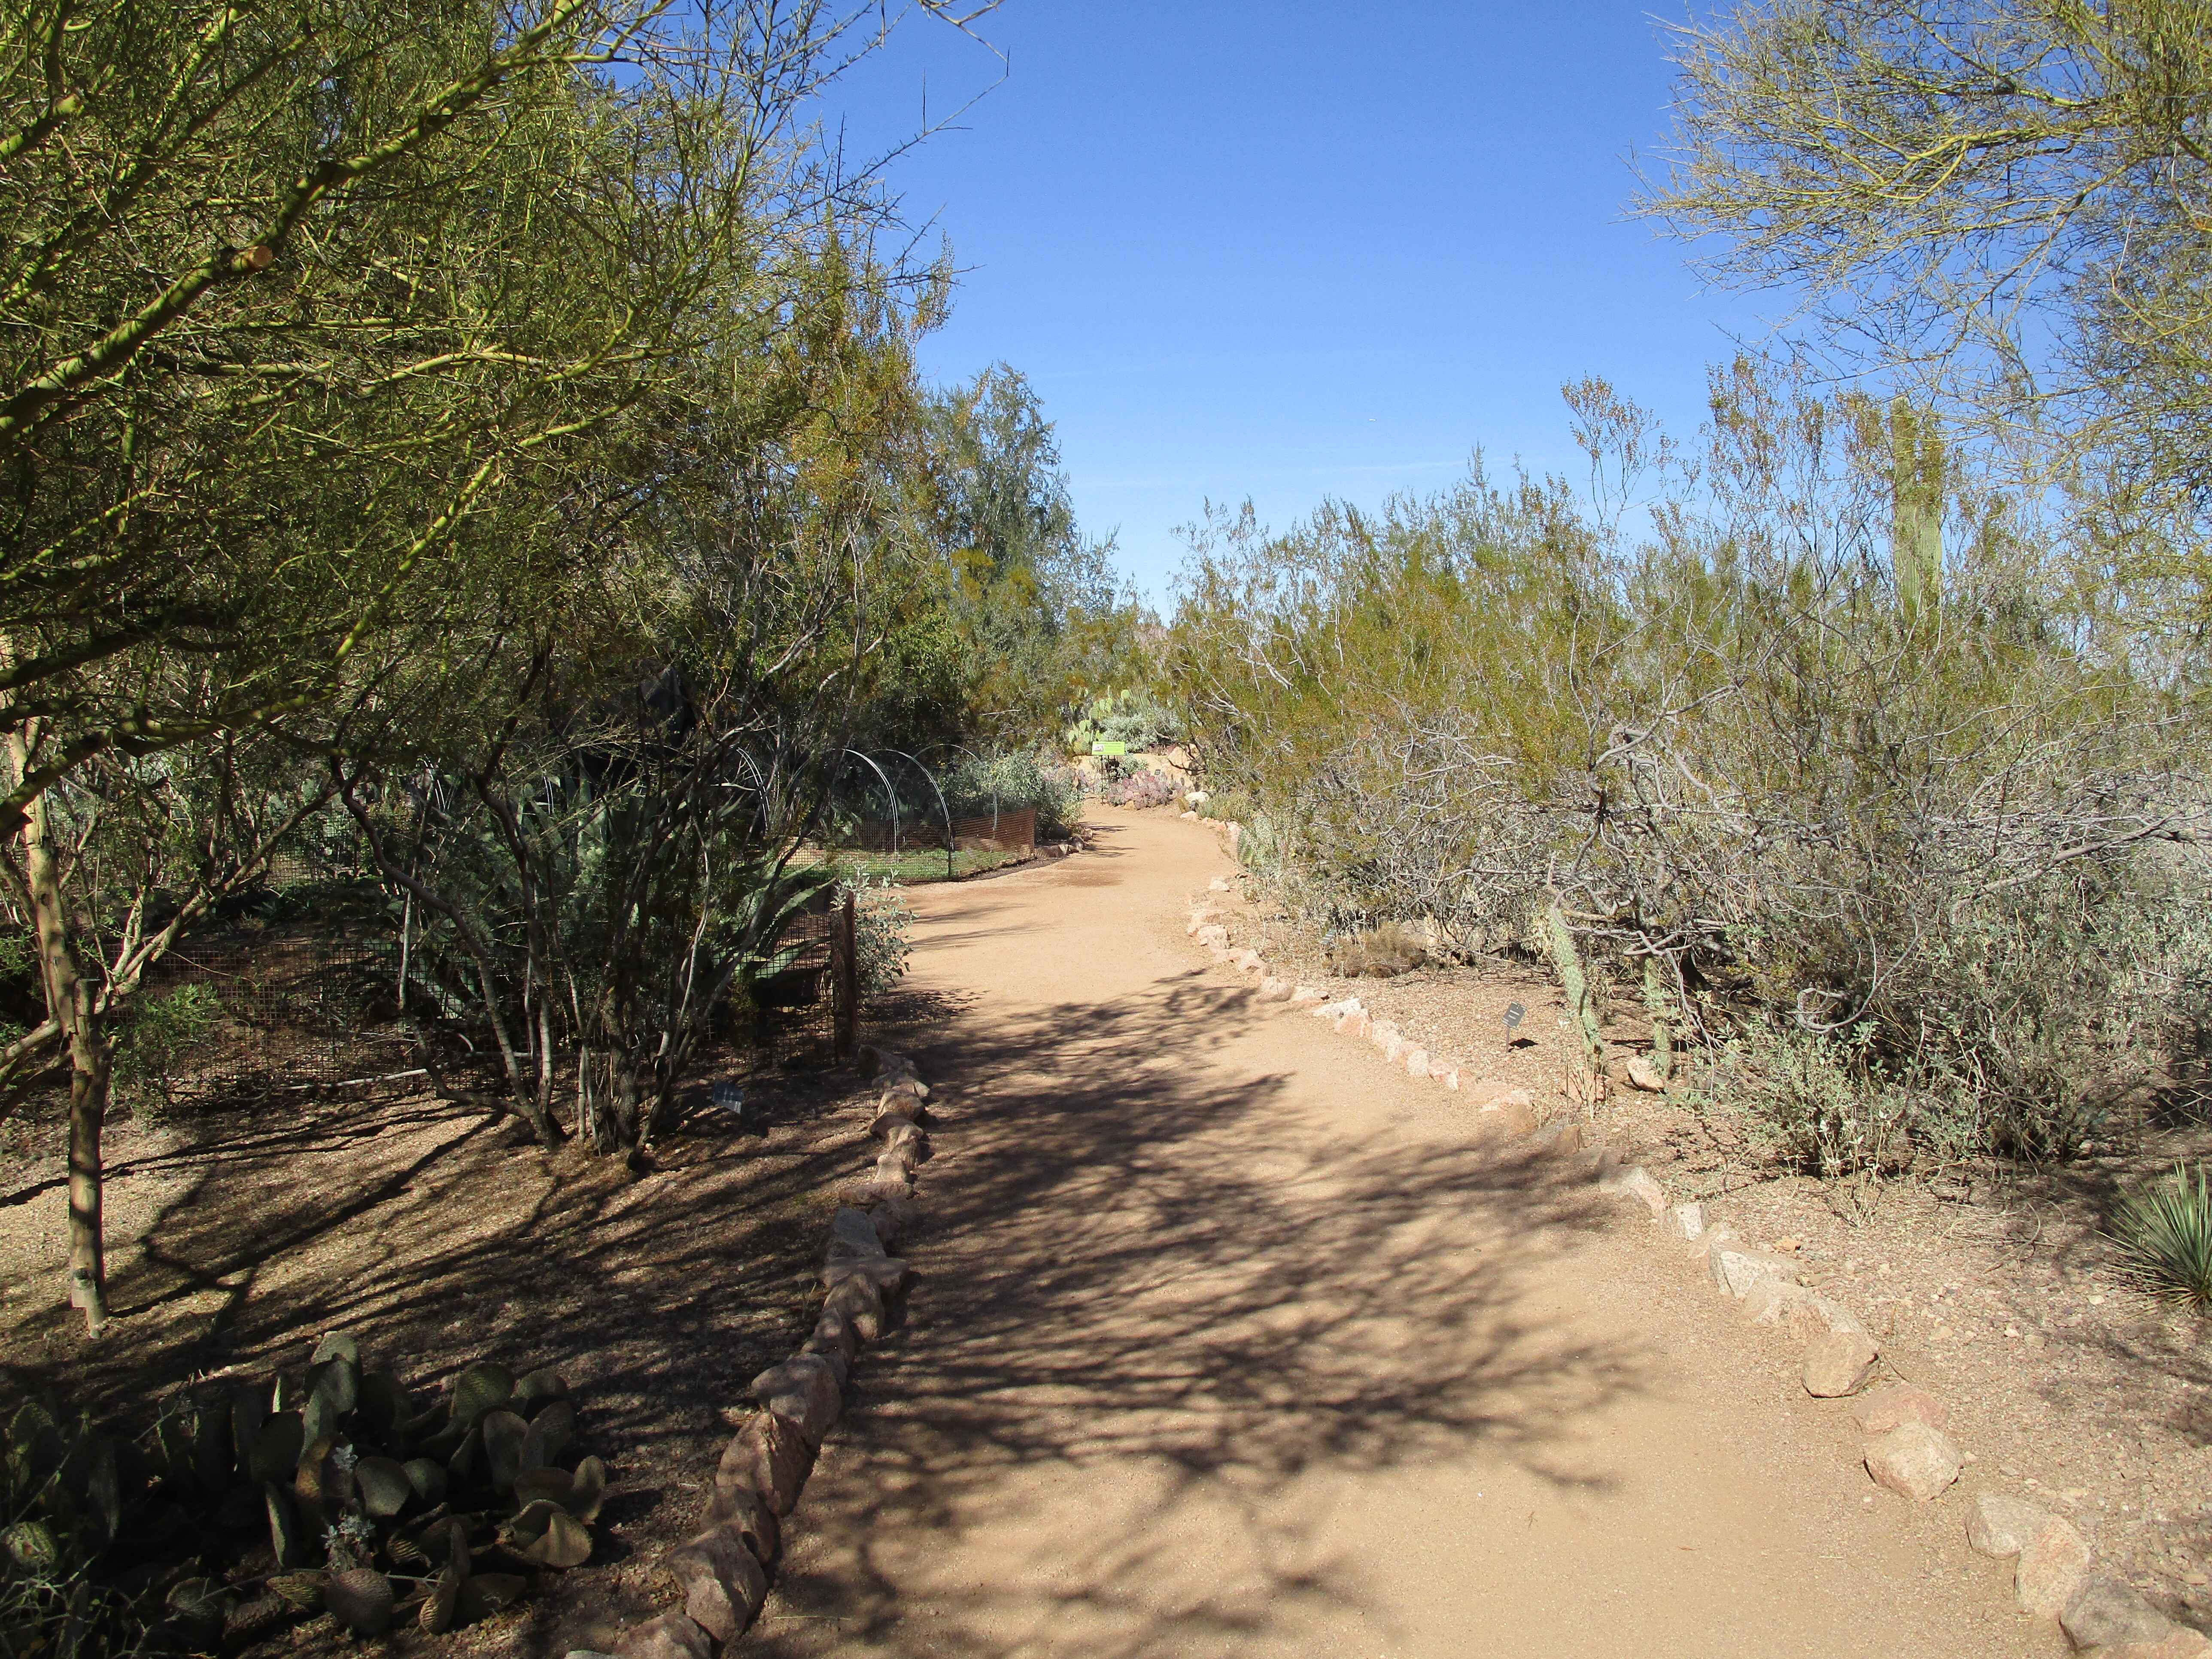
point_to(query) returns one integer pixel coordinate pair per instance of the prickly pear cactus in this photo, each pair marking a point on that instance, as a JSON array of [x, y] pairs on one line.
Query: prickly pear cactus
[[247, 1503]]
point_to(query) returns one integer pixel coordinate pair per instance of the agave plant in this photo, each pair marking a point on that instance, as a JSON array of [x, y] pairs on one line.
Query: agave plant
[[2165, 1235]]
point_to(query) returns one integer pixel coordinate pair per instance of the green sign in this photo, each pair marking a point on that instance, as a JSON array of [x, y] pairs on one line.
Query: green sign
[[1110, 750]]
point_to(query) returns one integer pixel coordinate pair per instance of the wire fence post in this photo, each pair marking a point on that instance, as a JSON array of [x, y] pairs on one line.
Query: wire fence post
[[848, 980]]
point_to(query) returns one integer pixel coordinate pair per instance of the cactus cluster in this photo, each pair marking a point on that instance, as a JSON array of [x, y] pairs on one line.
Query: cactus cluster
[[251, 1503]]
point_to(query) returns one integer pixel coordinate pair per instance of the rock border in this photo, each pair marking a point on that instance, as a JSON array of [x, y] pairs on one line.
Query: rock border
[[722, 1573], [1903, 1447]]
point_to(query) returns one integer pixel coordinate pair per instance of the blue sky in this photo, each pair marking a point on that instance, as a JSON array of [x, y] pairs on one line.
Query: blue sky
[[1296, 249]]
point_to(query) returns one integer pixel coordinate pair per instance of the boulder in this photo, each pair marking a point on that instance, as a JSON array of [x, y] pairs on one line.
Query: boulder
[[1638, 1184], [723, 1585], [1736, 1268], [853, 1232], [1914, 1461], [2104, 1613], [672, 1636], [804, 1390], [2002, 1527], [909, 1142], [887, 1274], [861, 1304], [2052, 1567], [890, 1119], [1644, 1075], [1772, 1301], [893, 1220], [768, 1456], [1883, 1410], [901, 1088], [740, 1508], [834, 1330], [1839, 1363], [1685, 1221], [831, 1352], [895, 1169]]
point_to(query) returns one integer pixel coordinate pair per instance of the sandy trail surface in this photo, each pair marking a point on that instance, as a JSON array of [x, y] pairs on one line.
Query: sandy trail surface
[[1232, 1340]]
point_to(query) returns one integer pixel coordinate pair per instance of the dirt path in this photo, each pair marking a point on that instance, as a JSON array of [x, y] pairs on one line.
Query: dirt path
[[1231, 1343]]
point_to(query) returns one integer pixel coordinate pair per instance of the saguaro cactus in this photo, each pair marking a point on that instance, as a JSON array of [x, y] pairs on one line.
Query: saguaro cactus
[[1915, 525]]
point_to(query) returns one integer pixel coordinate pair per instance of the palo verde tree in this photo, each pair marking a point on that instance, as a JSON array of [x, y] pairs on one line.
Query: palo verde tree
[[2003, 203], [316, 319]]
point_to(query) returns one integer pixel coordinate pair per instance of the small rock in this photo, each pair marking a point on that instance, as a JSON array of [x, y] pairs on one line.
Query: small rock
[[1198, 918], [1645, 1076], [1685, 1221], [1213, 934], [804, 1390], [723, 1585], [1247, 961], [2104, 1613], [890, 1119], [2001, 1527], [1913, 1459], [893, 1220], [1308, 996], [1508, 1116], [2052, 1565], [1900, 1402], [768, 1456], [1837, 1363], [1416, 1062], [1274, 990], [1736, 1268], [1355, 1024], [672, 1636], [1638, 1183], [1561, 1138], [888, 1275], [1387, 1038], [1218, 885]]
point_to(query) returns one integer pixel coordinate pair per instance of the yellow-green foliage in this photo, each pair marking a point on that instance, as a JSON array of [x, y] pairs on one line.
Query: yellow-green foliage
[[1723, 742]]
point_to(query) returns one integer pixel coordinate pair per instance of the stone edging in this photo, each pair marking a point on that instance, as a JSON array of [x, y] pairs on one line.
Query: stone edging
[[721, 1575], [1903, 1446]]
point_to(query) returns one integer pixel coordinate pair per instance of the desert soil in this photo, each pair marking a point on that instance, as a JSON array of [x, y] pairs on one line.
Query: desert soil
[[1233, 1340]]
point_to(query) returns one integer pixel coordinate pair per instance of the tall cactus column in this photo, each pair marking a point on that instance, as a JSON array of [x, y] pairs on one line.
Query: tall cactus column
[[1588, 1084]]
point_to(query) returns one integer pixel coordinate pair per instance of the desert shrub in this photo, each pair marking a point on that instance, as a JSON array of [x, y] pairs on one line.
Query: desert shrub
[[1378, 953], [883, 933], [161, 1031], [1930, 861], [2165, 1236], [1141, 787], [1017, 778]]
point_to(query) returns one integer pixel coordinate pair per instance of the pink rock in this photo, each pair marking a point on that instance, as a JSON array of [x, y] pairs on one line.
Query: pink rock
[[804, 1391], [1355, 1024], [1837, 1362], [768, 1456], [1308, 996], [1508, 1117], [740, 1508], [1914, 1461], [2002, 1527], [723, 1585], [2052, 1566], [672, 1636], [1898, 1402], [1416, 1062]]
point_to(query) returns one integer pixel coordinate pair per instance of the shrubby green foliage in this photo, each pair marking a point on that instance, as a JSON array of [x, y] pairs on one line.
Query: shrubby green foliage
[[1932, 868]]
